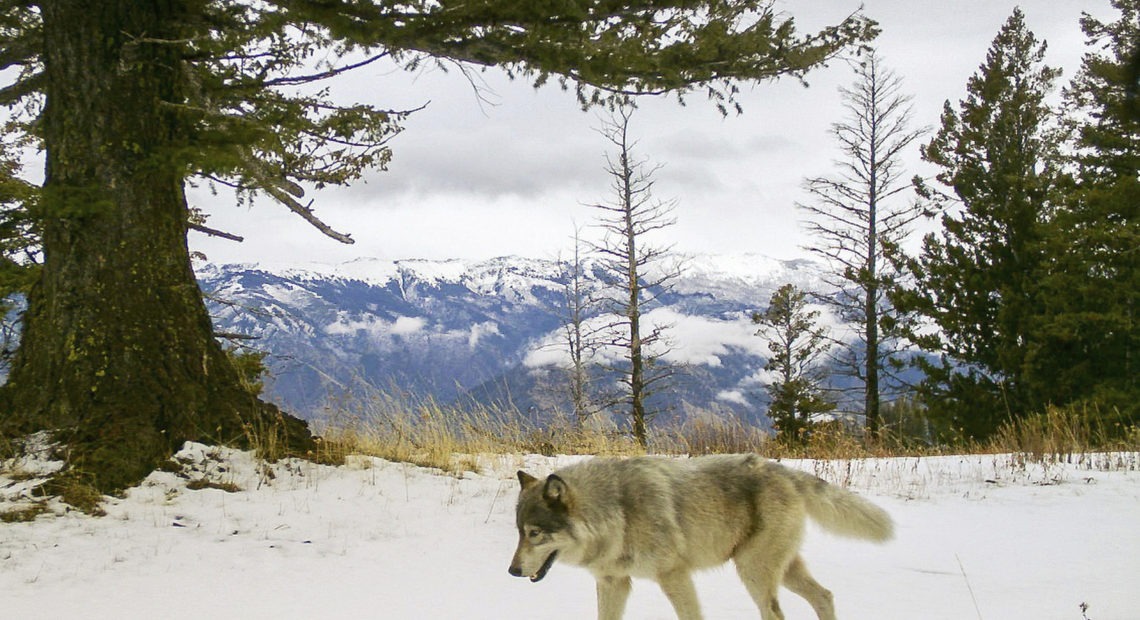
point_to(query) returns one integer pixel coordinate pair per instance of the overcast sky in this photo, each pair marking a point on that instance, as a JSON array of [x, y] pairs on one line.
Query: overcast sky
[[476, 180]]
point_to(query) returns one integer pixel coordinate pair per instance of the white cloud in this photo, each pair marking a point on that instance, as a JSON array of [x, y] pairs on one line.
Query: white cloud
[[378, 329], [344, 325], [733, 396], [479, 330], [547, 353], [702, 340], [406, 325], [687, 340]]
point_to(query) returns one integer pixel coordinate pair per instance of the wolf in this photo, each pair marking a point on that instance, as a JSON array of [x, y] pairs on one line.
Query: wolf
[[663, 518]]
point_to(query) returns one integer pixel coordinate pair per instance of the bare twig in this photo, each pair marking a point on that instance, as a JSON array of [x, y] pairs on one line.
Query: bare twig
[[968, 586]]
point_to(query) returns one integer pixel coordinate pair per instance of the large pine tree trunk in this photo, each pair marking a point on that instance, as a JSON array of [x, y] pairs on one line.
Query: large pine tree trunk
[[118, 354]]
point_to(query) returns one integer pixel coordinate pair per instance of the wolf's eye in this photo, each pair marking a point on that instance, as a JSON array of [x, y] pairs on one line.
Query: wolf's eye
[[534, 534]]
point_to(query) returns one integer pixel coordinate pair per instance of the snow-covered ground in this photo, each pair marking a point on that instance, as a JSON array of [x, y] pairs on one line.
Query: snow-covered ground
[[978, 537]]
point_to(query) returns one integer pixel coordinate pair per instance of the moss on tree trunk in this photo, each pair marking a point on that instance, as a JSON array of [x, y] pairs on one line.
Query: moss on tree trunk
[[118, 354]]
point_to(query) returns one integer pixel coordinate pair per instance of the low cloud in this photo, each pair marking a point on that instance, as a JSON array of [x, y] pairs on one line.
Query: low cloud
[[481, 330], [406, 325], [703, 341], [687, 339]]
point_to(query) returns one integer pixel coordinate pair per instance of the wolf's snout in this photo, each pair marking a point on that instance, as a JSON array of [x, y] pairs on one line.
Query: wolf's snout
[[515, 571]]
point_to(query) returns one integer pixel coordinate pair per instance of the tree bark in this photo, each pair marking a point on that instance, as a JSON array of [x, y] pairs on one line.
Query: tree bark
[[118, 355], [633, 306], [871, 277]]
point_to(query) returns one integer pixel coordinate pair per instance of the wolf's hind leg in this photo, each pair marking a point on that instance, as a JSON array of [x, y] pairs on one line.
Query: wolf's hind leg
[[761, 566], [678, 588], [613, 592], [762, 583], [800, 581]]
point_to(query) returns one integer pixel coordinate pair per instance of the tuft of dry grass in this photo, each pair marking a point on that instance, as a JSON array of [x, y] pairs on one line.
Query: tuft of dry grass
[[25, 513], [450, 438], [203, 483], [73, 489]]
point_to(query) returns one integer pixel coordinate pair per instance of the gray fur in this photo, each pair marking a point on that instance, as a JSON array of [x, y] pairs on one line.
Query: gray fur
[[663, 518]]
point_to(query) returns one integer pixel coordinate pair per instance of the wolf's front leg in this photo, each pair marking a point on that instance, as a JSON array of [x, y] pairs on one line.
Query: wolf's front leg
[[613, 592]]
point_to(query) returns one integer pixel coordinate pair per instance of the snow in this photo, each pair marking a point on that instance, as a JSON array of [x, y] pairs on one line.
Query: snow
[[436, 272], [725, 275], [978, 536], [722, 276], [749, 267]]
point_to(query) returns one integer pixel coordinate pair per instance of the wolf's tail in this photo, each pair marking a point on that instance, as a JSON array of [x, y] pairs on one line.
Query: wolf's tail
[[842, 512]]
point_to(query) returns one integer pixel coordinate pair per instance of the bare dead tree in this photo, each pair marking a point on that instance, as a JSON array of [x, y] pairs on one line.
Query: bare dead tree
[[858, 218], [579, 336], [641, 270]]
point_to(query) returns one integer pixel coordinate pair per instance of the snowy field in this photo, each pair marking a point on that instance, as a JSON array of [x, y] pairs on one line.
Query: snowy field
[[978, 537]]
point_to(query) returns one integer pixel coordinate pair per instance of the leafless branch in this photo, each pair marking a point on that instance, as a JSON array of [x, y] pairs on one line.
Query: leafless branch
[[213, 232]]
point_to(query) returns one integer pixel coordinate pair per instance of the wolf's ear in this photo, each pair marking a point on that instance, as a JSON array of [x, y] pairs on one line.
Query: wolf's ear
[[526, 480], [556, 491]]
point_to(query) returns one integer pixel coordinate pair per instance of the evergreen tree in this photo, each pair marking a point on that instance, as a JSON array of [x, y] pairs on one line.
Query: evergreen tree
[[858, 220], [797, 344], [19, 242], [129, 99], [1090, 342], [19, 238], [977, 280]]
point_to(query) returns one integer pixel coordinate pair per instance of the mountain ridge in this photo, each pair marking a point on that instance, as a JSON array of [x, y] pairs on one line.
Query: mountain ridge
[[448, 330]]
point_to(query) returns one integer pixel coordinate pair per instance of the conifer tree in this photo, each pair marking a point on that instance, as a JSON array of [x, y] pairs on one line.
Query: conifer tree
[[797, 344], [977, 279], [19, 243], [1088, 348]]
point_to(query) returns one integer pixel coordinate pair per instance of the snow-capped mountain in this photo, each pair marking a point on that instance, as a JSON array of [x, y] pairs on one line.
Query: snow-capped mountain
[[486, 331]]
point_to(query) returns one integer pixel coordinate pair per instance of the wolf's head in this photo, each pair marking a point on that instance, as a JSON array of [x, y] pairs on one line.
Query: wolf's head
[[543, 519]]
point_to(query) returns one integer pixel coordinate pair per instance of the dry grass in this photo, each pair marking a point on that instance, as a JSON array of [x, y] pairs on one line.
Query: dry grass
[[711, 435], [203, 483], [451, 439], [76, 491], [1057, 435], [1064, 431], [1069, 435], [24, 513]]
